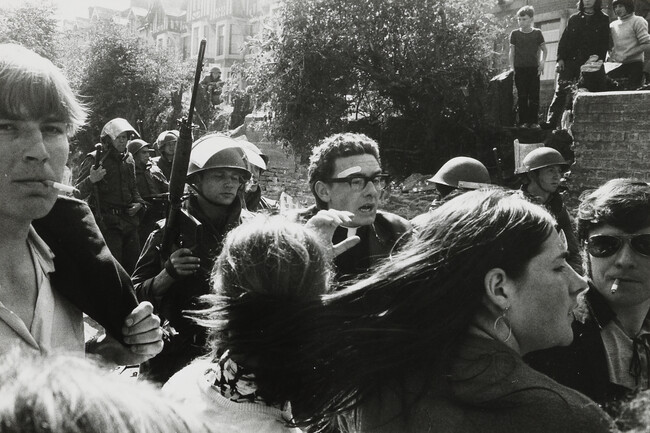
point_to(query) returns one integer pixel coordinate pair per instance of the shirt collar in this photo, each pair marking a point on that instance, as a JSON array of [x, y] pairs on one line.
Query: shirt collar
[[42, 253]]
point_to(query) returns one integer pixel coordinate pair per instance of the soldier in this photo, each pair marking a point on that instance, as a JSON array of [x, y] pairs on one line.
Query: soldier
[[166, 144], [53, 260], [213, 85], [542, 170], [173, 285], [345, 174], [113, 193], [152, 186], [461, 173]]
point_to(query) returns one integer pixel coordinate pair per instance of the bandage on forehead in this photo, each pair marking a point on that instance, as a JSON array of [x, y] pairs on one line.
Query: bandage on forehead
[[348, 171]]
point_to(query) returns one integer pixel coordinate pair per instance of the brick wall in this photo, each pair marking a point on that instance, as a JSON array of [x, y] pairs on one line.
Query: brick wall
[[611, 132]]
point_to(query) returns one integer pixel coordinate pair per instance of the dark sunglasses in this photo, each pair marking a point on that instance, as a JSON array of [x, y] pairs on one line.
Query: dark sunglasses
[[608, 245], [359, 183]]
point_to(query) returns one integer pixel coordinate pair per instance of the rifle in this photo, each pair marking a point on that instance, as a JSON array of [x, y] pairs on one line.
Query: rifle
[[180, 227], [98, 162]]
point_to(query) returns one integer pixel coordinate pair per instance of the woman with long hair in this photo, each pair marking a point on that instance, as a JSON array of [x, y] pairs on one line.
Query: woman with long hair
[[433, 339]]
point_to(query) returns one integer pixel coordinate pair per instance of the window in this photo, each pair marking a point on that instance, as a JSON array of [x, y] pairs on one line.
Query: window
[[220, 40], [236, 39]]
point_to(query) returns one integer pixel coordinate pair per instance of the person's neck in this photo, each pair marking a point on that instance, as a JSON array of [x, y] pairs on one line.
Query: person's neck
[[589, 11], [526, 29], [13, 233], [483, 326], [631, 317]]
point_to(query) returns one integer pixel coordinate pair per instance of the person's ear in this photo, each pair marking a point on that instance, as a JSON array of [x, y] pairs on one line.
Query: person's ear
[[498, 288], [323, 191]]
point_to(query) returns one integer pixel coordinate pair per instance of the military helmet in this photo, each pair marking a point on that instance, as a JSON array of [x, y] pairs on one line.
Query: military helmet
[[206, 156], [540, 158], [115, 127], [467, 171], [214, 70], [167, 137], [137, 145]]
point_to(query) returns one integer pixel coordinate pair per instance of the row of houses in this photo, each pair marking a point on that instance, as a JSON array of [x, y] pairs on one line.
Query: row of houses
[[179, 25]]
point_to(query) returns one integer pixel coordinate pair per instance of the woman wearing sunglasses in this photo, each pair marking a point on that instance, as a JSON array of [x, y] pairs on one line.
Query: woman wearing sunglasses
[[608, 359]]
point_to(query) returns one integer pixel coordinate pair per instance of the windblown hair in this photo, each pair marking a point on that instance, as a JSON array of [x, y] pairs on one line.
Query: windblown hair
[[598, 6], [31, 87], [403, 320], [66, 394], [269, 275], [622, 203], [324, 156]]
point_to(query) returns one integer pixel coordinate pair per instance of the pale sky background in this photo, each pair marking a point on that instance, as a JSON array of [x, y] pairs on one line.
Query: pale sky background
[[73, 8]]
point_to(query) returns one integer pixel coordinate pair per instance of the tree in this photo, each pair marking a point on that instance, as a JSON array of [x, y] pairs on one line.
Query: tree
[[32, 26], [118, 75], [415, 70]]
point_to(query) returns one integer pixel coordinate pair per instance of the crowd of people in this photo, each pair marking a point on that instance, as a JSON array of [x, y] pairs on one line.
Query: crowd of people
[[588, 41], [491, 312]]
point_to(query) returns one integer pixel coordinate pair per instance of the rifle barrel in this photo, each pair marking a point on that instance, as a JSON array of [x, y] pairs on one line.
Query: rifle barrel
[[180, 163]]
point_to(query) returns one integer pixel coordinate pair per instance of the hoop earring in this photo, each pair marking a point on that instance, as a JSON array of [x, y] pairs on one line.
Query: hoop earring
[[506, 322]]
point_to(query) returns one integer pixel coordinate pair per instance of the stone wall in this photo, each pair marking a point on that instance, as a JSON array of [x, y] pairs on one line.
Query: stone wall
[[611, 133]]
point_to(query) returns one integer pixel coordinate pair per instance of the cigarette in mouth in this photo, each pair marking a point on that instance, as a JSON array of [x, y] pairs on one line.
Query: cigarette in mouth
[[61, 187], [614, 286]]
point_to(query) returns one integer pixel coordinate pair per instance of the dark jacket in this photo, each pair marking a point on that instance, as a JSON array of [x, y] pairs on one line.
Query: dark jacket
[[118, 189], [189, 343], [490, 389], [152, 187], [164, 165], [584, 36], [377, 242], [85, 271], [583, 365]]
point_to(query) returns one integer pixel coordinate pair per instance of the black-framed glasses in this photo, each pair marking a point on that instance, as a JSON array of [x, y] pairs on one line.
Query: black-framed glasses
[[359, 182], [607, 245]]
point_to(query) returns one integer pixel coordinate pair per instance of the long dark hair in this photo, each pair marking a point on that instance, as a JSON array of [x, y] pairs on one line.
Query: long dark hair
[[598, 6], [405, 318]]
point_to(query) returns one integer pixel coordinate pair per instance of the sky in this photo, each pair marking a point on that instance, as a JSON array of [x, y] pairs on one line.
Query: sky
[[73, 8]]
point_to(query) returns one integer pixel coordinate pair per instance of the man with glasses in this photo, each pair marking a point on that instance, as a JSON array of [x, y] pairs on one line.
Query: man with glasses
[[216, 177], [345, 175], [608, 359]]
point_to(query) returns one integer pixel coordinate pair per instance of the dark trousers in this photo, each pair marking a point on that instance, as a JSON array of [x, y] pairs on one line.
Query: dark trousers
[[563, 98], [628, 75], [527, 83], [121, 236]]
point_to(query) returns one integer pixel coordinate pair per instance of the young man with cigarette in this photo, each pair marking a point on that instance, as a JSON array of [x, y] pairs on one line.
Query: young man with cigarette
[[608, 359], [54, 263]]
